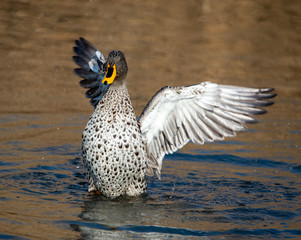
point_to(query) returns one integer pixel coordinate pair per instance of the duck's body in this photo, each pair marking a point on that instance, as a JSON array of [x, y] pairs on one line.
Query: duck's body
[[119, 150], [113, 151]]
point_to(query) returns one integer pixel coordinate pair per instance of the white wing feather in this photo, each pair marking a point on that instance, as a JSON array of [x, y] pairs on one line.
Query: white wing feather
[[199, 113]]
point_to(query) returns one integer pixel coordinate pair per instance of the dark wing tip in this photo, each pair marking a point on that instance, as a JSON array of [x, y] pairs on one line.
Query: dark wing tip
[[88, 83], [267, 94], [268, 103], [264, 100], [81, 62], [273, 95], [266, 90], [84, 52], [86, 74], [80, 42]]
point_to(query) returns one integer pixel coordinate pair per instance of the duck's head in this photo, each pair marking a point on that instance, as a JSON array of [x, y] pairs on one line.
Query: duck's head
[[116, 68], [98, 72]]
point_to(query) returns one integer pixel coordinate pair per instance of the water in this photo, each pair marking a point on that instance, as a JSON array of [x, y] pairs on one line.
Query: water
[[247, 187]]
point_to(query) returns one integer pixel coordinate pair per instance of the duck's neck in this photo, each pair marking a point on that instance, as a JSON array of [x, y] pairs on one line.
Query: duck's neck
[[117, 98]]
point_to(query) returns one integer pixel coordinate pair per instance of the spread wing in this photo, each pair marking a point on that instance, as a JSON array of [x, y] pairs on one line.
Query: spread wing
[[199, 113], [92, 68]]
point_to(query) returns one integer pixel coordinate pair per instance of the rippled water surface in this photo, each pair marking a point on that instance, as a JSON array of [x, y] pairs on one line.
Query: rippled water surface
[[247, 187]]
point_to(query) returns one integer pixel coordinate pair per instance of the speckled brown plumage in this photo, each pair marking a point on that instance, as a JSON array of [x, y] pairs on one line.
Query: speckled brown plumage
[[112, 147]]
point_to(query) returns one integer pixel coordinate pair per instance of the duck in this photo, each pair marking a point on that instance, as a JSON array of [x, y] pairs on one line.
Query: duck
[[120, 150]]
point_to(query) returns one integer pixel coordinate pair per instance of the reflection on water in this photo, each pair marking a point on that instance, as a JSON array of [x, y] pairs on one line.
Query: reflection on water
[[246, 187]]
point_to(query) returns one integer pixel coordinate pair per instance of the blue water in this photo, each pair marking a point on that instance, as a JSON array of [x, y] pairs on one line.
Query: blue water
[[218, 194]]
